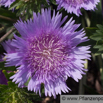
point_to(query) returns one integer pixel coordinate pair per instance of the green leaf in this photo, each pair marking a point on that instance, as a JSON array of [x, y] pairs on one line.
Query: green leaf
[[5, 12], [12, 94], [7, 75], [100, 27], [15, 4], [2, 67], [98, 37]]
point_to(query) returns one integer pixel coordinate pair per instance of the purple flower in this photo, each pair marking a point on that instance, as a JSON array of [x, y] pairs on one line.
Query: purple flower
[[6, 3], [1, 58], [3, 79], [74, 6], [9, 49], [48, 53]]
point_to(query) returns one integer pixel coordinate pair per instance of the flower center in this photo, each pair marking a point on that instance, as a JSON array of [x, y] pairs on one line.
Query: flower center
[[45, 52]]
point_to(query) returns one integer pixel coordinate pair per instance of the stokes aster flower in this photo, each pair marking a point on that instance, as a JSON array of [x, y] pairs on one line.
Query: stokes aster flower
[[9, 49], [1, 58], [6, 3], [3, 79], [48, 53], [74, 6]]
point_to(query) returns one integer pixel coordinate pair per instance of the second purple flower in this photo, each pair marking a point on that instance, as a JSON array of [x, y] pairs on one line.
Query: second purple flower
[[6, 3], [74, 6]]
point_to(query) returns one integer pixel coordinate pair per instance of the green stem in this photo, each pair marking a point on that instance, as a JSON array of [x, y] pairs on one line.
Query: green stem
[[7, 34], [7, 18]]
